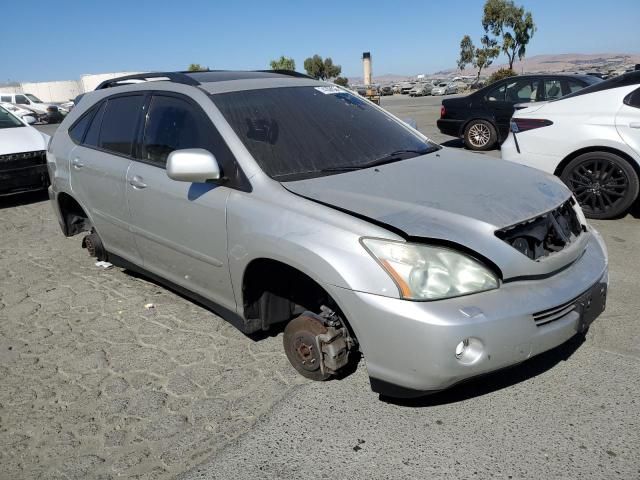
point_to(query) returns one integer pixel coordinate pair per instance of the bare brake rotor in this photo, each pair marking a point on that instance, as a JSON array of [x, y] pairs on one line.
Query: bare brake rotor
[[317, 347]]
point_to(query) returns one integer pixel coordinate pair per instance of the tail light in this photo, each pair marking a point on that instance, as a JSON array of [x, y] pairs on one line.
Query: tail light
[[523, 124], [443, 111]]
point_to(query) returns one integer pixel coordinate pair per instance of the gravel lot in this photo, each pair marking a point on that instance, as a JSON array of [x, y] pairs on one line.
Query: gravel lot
[[95, 385]]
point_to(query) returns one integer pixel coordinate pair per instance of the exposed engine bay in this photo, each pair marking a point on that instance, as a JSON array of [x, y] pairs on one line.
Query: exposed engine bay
[[545, 234]]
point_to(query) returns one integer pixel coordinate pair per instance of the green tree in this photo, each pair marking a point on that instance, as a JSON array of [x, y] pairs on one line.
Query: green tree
[[513, 24], [283, 63], [321, 69], [500, 74], [196, 67], [479, 57], [342, 81]]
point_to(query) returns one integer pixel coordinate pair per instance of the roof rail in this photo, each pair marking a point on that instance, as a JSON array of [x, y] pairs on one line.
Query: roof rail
[[290, 73], [176, 77]]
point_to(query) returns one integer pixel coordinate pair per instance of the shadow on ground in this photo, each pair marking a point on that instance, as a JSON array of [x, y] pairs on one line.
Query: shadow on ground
[[494, 381], [18, 199]]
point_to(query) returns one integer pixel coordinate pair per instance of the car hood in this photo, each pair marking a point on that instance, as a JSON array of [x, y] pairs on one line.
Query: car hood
[[451, 196], [21, 139]]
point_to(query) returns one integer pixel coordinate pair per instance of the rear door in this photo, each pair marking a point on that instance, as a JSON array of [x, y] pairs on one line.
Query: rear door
[[98, 169], [628, 120], [180, 227]]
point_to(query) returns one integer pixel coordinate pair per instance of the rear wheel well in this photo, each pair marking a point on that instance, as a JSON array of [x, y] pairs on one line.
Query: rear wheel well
[[274, 292], [561, 166], [73, 215]]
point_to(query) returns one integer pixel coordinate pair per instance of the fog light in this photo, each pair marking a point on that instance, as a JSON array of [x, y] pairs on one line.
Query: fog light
[[469, 351], [461, 347]]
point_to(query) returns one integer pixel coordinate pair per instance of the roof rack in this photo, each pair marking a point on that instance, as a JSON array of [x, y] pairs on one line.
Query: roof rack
[[290, 73], [176, 77]]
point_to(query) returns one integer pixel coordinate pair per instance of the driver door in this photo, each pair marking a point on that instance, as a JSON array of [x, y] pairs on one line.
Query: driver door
[[180, 227]]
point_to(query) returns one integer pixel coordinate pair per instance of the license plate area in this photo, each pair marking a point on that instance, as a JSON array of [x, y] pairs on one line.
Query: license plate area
[[590, 305]]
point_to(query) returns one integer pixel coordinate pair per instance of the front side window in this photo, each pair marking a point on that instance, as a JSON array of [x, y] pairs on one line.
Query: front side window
[[118, 130], [305, 132], [172, 124], [7, 120], [21, 100], [33, 98]]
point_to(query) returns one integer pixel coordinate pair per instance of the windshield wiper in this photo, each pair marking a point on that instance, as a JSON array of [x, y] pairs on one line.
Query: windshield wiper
[[388, 158]]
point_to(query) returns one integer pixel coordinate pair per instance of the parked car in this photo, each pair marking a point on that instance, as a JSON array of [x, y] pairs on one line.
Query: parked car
[[47, 112], [590, 139], [231, 188], [19, 112], [481, 118], [420, 90], [22, 155], [405, 87], [444, 88], [386, 90]]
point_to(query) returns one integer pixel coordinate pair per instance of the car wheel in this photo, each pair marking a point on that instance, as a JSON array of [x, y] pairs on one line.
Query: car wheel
[[480, 135], [604, 183], [300, 345]]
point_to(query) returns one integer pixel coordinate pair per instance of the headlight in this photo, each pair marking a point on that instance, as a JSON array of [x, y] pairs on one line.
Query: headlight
[[424, 272]]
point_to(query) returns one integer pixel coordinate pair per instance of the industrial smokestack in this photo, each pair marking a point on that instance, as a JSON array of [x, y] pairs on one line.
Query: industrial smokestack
[[366, 63]]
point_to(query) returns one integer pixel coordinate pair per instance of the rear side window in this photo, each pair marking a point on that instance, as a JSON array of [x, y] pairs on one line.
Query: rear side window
[[93, 134], [574, 86], [633, 99], [522, 91], [552, 89], [76, 132], [6, 98], [118, 130], [497, 94], [173, 124]]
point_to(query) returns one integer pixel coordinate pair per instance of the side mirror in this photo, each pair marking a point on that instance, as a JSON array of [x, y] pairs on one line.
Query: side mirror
[[194, 165], [30, 120]]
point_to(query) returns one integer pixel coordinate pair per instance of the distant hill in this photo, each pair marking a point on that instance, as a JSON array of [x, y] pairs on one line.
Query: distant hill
[[566, 62]]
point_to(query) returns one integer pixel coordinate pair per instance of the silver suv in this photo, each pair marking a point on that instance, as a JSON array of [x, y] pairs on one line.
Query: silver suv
[[275, 199]]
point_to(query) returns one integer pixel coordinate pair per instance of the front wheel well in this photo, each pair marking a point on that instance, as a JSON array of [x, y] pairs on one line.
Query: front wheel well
[[74, 218], [561, 166], [274, 292]]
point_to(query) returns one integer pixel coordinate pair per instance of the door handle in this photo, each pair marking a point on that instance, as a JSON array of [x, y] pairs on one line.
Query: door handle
[[136, 182], [77, 163], [634, 124]]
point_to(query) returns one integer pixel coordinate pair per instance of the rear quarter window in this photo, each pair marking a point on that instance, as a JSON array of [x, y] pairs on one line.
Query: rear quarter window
[[78, 129], [633, 99]]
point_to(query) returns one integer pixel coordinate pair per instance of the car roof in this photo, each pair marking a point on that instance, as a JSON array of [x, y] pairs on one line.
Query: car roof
[[218, 81]]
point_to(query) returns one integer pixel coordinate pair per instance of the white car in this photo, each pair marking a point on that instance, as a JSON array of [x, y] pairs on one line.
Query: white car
[[590, 139], [444, 89], [23, 163], [21, 112], [49, 112]]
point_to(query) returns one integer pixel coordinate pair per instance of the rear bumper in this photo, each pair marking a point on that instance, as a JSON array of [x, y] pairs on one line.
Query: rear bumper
[[512, 151], [410, 347], [450, 127], [26, 179]]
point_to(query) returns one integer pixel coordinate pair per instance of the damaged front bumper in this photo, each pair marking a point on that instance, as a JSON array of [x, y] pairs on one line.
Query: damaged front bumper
[[412, 348]]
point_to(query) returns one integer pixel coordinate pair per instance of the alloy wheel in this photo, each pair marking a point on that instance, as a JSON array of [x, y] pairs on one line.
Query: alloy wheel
[[479, 135], [598, 184]]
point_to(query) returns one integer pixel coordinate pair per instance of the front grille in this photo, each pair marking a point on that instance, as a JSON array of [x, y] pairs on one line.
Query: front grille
[[555, 313], [13, 161], [545, 234]]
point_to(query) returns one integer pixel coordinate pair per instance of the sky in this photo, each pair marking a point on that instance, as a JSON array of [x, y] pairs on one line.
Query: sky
[[43, 40]]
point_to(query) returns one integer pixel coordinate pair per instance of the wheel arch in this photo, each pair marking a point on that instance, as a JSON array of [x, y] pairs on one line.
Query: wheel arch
[[566, 160], [74, 218], [274, 291]]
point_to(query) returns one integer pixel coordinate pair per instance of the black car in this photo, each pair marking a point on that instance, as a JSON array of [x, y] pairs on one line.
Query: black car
[[482, 118]]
